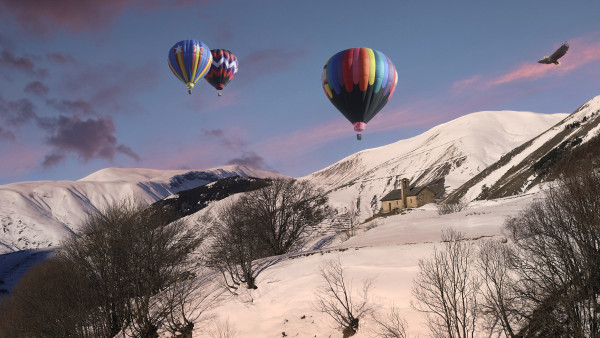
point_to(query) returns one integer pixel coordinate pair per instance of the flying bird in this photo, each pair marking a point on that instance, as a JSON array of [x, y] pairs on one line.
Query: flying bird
[[560, 52]]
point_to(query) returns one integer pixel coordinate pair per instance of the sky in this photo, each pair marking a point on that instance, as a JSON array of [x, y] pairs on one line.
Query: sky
[[85, 84]]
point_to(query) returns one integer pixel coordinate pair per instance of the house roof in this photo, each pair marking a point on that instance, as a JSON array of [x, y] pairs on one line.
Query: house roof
[[397, 194], [393, 195], [415, 191]]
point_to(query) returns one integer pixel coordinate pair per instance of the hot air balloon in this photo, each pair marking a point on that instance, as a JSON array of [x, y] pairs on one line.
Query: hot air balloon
[[189, 60], [223, 69], [359, 82]]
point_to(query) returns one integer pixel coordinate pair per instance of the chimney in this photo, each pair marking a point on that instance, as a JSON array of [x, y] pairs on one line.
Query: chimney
[[405, 189]]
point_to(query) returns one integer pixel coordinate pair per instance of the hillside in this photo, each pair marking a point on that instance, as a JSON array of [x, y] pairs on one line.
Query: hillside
[[444, 157], [41, 214], [190, 201], [530, 164], [388, 249]]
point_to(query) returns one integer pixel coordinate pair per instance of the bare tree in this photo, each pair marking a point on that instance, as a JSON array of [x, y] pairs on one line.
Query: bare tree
[[286, 213], [450, 207], [557, 257], [51, 300], [337, 299], [189, 298], [160, 253], [249, 233], [236, 248], [348, 220], [223, 329], [499, 304], [446, 288], [390, 324], [129, 253]]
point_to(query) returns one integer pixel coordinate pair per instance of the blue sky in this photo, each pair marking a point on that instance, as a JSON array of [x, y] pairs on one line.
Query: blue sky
[[85, 84]]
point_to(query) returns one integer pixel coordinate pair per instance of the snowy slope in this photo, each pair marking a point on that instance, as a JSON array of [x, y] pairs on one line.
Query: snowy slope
[[449, 154], [516, 172], [41, 214], [387, 250]]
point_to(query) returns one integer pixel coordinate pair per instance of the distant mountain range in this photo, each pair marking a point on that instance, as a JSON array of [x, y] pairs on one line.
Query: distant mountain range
[[480, 155], [40, 214], [484, 155]]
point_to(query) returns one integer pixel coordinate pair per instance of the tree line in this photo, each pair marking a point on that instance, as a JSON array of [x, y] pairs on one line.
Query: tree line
[[137, 270], [133, 271], [543, 281]]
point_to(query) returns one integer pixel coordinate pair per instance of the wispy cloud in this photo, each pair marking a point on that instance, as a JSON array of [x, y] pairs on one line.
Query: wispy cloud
[[250, 159], [90, 138], [582, 51], [233, 142], [37, 88], [239, 150], [46, 17], [77, 107], [17, 113], [6, 134], [305, 140], [465, 83], [9, 61], [87, 139]]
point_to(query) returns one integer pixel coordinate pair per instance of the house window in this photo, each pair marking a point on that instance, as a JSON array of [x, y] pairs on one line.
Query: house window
[[390, 206]]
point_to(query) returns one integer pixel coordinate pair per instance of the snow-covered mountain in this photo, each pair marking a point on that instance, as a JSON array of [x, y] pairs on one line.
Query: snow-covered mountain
[[526, 166], [41, 214], [444, 157], [388, 249]]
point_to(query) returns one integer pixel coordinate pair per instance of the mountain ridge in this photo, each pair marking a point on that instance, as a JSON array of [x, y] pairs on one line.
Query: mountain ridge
[[40, 214], [446, 156], [518, 171]]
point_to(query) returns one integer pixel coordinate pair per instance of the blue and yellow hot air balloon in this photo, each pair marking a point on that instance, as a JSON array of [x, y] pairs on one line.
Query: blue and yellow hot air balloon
[[359, 83], [189, 60]]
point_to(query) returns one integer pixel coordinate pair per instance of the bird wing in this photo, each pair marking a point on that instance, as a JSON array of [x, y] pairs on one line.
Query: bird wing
[[560, 52]]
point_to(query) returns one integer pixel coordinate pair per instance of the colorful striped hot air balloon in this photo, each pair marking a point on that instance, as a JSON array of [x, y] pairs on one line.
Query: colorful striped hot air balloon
[[189, 60], [359, 83], [223, 69]]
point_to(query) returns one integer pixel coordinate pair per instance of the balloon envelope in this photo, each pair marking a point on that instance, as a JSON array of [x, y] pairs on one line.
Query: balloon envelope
[[359, 83], [189, 60], [223, 69]]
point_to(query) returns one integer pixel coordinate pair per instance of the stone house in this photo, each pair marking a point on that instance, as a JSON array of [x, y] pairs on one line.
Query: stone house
[[405, 197]]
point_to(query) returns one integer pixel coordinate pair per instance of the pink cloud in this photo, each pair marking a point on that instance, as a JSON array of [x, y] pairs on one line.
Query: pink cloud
[[462, 84], [37, 88], [87, 139], [106, 87], [6, 134], [9, 61], [581, 53], [43, 16], [61, 58], [524, 71], [305, 140]]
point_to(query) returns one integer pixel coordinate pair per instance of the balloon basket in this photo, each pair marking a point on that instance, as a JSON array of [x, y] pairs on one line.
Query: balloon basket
[[220, 94], [359, 136], [189, 91]]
